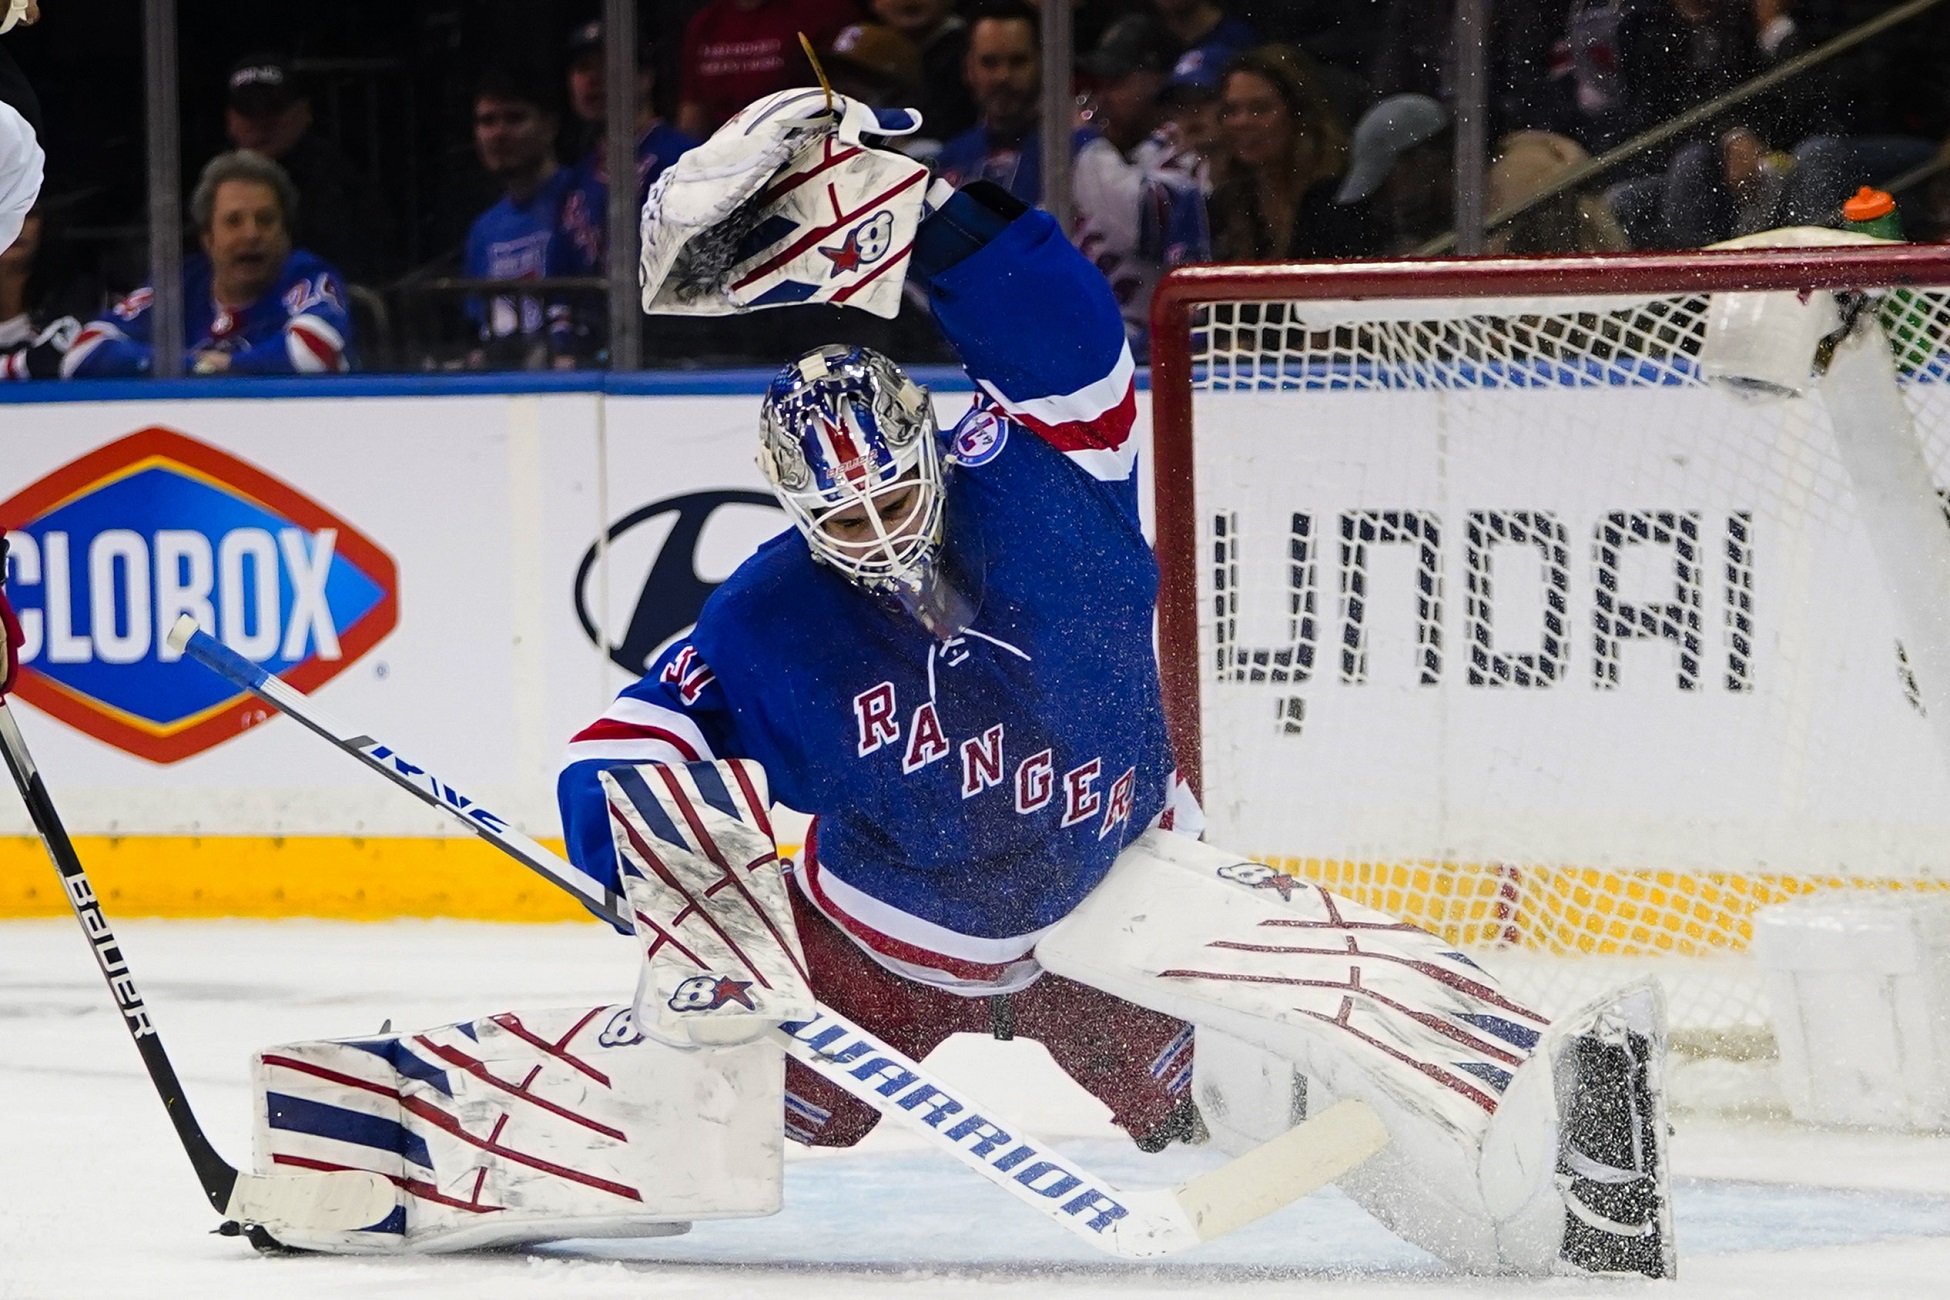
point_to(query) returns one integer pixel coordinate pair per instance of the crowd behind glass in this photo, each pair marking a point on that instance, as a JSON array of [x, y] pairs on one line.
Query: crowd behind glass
[[1205, 131]]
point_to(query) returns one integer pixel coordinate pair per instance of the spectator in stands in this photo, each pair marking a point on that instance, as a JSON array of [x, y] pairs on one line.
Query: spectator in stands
[[1191, 106], [874, 64], [1282, 153], [1866, 134], [1004, 71], [1139, 207], [941, 36], [1629, 65], [580, 246], [252, 304], [268, 113], [514, 135], [737, 50], [1206, 39], [1402, 172], [1526, 163], [1205, 36], [586, 74], [32, 339]]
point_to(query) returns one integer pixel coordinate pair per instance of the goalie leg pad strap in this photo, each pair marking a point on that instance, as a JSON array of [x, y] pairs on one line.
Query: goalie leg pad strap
[[525, 1127]]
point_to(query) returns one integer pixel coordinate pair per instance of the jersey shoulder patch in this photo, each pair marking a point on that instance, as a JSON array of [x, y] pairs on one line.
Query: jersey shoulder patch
[[980, 437]]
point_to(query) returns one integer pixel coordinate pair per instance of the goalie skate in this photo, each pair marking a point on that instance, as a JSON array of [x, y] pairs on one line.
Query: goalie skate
[[1611, 1164]]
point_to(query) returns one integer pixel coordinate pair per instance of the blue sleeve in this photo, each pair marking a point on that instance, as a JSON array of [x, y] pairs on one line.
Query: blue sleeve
[[1027, 313], [115, 346], [315, 338], [1037, 327], [677, 713]]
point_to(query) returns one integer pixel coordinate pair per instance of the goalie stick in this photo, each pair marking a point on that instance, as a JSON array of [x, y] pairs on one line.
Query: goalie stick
[[331, 1201], [1134, 1225]]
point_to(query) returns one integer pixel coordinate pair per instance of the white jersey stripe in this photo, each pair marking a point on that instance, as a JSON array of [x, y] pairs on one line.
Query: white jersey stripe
[[1080, 407], [1112, 466], [642, 713], [647, 750]]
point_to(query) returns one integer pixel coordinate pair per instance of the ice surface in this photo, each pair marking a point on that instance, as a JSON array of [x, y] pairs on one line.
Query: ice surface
[[96, 1199]]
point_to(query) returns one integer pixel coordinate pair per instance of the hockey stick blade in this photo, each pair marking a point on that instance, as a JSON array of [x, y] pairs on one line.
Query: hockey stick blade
[[338, 1200], [1278, 1172], [187, 638], [332, 1201], [1134, 1225]]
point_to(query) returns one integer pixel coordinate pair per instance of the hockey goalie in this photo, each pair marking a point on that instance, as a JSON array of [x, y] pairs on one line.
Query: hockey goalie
[[948, 661]]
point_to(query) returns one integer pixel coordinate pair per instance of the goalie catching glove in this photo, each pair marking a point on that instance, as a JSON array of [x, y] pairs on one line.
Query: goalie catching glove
[[722, 961], [785, 204]]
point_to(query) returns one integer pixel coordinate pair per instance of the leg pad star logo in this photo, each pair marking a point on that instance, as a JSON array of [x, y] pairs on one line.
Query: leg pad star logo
[[709, 992]]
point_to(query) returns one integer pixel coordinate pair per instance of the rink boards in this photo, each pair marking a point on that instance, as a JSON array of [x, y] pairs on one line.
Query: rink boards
[[422, 555]]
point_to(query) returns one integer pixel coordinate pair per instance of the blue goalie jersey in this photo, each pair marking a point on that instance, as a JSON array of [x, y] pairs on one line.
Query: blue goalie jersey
[[969, 792]]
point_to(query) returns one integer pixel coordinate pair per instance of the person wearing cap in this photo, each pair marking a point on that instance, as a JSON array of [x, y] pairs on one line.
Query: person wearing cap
[[1526, 163], [268, 113], [874, 64], [21, 159], [1281, 157], [1203, 31], [1402, 170], [1191, 108], [941, 36], [736, 51], [514, 136], [580, 244], [1139, 207]]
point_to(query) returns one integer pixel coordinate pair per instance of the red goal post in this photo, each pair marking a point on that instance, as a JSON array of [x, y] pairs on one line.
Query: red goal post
[[1291, 402]]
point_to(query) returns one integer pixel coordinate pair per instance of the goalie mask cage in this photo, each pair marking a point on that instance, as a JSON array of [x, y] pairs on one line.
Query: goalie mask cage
[[1481, 606]]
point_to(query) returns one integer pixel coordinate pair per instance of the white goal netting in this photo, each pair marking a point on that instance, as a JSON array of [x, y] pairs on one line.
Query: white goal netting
[[1510, 623]]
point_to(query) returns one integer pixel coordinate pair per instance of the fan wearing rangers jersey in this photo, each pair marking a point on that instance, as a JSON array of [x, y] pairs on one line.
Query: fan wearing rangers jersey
[[252, 304], [948, 662]]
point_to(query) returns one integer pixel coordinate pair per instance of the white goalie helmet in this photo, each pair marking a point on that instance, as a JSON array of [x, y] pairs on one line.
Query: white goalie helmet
[[848, 443]]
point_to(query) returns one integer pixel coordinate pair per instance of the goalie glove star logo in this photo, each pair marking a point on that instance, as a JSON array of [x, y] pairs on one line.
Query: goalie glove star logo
[[865, 244], [709, 992]]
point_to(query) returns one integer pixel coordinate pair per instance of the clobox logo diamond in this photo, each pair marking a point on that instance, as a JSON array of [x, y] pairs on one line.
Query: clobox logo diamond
[[109, 550]]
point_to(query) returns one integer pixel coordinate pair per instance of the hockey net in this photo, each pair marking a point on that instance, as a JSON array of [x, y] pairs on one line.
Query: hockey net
[[1482, 606]]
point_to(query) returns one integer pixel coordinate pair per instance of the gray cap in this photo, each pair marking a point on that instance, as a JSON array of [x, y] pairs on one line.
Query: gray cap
[[1384, 133]]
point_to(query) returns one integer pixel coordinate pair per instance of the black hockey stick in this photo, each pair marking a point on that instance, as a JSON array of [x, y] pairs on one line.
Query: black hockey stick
[[330, 1200]]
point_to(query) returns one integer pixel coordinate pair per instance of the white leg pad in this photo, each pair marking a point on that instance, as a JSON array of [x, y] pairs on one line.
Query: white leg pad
[[1363, 1005], [525, 1127]]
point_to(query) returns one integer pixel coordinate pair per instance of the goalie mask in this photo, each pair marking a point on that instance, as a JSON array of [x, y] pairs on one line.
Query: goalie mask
[[848, 442]]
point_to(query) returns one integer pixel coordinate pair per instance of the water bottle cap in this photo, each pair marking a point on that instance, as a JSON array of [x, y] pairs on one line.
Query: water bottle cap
[[1868, 204]]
